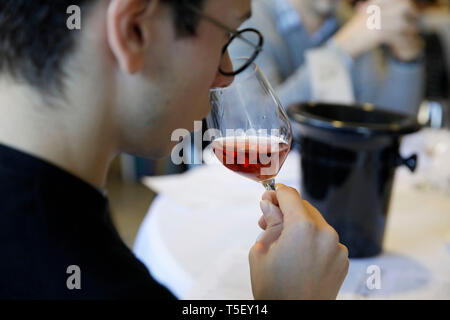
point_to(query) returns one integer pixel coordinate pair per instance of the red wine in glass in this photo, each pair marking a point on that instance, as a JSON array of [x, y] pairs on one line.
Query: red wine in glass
[[257, 158], [250, 132]]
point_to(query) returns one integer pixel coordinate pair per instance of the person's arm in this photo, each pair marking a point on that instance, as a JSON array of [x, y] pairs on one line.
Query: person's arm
[[301, 86], [400, 88], [274, 59], [299, 255], [297, 88]]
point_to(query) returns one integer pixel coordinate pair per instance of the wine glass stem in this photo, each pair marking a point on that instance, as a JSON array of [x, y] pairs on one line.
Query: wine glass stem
[[269, 184]]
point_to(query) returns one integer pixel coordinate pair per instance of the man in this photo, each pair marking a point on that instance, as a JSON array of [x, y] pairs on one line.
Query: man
[[71, 101], [379, 66]]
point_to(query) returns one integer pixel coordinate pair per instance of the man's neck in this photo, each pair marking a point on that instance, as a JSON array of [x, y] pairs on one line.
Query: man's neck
[[72, 137], [311, 20]]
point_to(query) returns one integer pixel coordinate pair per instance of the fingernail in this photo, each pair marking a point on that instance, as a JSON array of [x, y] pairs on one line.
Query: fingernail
[[265, 207]]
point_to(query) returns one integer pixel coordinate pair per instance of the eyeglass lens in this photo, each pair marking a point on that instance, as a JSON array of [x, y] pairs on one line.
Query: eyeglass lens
[[246, 45]]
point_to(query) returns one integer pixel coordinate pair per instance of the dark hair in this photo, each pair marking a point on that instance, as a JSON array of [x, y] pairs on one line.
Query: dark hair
[[186, 21], [35, 40]]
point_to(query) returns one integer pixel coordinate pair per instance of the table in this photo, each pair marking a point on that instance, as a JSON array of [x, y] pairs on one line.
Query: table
[[197, 233]]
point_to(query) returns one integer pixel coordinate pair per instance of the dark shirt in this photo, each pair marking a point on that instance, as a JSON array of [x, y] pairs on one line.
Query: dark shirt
[[50, 220]]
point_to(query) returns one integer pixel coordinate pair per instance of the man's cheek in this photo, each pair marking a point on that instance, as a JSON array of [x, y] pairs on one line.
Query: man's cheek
[[200, 98], [206, 105], [202, 106]]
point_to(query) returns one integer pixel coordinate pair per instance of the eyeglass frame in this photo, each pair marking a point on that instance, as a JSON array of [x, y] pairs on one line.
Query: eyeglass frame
[[235, 34]]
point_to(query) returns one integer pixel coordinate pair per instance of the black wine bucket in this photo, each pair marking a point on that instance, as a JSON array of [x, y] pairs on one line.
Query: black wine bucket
[[348, 159]]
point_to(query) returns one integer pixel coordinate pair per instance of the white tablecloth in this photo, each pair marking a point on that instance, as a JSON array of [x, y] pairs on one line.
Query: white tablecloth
[[196, 236]]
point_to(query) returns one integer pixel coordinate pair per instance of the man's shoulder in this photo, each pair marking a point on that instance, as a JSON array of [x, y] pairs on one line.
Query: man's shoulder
[[45, 253], [103, 270]]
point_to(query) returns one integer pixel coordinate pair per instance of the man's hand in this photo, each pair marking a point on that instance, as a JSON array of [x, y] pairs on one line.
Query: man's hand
[[299, 255], [407, 47], [398, 30]]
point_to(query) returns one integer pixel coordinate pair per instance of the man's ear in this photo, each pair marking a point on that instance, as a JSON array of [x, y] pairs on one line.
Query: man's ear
[[128, 32]]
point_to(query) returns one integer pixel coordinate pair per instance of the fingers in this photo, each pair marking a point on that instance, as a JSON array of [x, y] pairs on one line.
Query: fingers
[[410, 9], [291, 209], [317, 216], [271, 196], [343, 251], [274, 225], [399, 17], [407, 26], [262, 223], [272, 214], [291, 204], [406, 11]]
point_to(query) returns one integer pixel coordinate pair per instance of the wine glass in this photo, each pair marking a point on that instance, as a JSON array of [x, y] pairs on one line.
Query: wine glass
[[249, 129]]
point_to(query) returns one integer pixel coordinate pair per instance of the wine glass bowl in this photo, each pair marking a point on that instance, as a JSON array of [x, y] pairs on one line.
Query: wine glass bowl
[[249, 129]]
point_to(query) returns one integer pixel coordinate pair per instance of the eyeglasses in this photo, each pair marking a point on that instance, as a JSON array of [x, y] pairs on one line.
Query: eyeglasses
[[250, 44]]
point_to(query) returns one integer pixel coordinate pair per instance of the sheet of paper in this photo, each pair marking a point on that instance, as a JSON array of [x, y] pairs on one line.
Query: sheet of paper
[[195, 188], [330, 80]]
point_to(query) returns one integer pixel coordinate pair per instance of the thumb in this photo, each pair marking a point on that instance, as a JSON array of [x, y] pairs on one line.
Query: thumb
[[274, 221]]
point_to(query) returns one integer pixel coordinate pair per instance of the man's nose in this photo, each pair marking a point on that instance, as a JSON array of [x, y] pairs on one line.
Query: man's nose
[[221, 80]]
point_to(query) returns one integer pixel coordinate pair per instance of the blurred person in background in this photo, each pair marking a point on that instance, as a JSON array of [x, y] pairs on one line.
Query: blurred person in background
[[72, 100], [381, 67]]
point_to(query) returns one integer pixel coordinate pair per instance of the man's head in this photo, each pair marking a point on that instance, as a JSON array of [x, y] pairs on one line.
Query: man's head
[[147, 64]]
